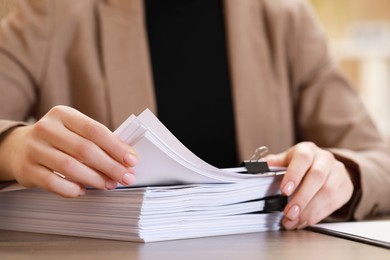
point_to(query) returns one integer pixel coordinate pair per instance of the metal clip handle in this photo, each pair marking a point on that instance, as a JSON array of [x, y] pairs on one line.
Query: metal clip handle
[[259, 153], [255, 165]]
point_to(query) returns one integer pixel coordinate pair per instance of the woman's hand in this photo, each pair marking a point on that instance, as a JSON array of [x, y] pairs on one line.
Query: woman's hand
[[64, 151], [317, 183]]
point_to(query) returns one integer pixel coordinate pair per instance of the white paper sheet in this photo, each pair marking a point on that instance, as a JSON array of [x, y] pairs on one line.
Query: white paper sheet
[[372, 232]]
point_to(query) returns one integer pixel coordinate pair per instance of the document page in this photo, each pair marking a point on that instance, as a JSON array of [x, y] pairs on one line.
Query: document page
[[372, 232]]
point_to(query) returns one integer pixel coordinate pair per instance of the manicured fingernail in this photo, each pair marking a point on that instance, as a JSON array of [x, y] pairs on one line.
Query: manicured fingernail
[[82, 192], [130, 159], [288, 189], [127, 179], [111, 184], [293, 213]]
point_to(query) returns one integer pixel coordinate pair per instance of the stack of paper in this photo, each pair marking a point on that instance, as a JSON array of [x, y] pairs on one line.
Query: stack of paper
[[165, 160], [176, 195]]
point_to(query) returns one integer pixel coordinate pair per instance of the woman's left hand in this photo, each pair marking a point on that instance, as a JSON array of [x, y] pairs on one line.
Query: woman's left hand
[[317, 183]]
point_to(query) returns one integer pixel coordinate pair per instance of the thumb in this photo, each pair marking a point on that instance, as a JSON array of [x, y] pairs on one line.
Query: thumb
[[279, 159]]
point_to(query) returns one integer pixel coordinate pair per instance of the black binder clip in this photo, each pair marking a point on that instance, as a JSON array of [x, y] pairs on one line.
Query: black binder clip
[[275, 203], [256, 164]]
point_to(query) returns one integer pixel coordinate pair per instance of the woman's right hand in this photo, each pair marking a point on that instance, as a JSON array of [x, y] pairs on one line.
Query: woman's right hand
[[65, 151]]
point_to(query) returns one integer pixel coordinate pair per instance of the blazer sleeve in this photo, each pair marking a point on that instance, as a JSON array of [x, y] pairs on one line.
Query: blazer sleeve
[[330, 113], [23, 41]]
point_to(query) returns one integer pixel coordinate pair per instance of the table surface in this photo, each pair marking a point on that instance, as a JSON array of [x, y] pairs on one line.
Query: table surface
[[290, 245]]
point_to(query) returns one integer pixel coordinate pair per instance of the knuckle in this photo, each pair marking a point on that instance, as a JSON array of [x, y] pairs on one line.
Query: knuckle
[[116, 171], [304, 155], [58, 110], [327, 155], [328, 192], [85, 150], [67, 165], [305, 149], [31, 146], [318, 173], [55, 111], [93, 130], [308, 145], [113, 170], [41, 127]]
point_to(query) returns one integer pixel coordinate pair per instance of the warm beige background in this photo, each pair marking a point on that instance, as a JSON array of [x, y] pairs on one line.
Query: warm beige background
[[337, 15], [366, 65], [5, 7]]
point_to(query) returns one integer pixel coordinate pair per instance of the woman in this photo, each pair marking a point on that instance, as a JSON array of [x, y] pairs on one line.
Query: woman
[[259, 72]]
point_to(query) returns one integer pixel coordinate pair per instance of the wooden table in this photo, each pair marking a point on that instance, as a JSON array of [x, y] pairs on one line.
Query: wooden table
[[269, 245]]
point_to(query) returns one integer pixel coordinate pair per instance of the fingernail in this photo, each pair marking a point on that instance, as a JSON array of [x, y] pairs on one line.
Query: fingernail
[[82, 192], [293, 213], [127, 179], [111, 184], [130, 159], [288, 189]]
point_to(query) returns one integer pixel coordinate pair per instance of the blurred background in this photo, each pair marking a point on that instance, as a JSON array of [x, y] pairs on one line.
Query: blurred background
[[359, 35]]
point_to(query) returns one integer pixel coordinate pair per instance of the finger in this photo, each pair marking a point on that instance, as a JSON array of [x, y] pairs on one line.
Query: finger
[[91, 155], [72, 169], [289, 224], [333, 194], [51, 182], [311, 184], [97, 133], [279, 159], [300, 159]]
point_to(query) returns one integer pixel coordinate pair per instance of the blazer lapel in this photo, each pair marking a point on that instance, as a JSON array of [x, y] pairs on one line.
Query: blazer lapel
[[125, 59], [260, 118], [255, 89]]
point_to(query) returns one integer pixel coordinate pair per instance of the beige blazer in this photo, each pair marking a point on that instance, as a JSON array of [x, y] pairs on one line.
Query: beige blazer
[[93, 55]]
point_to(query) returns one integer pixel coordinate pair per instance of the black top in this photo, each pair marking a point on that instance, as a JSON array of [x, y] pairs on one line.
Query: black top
[[189, 62]]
